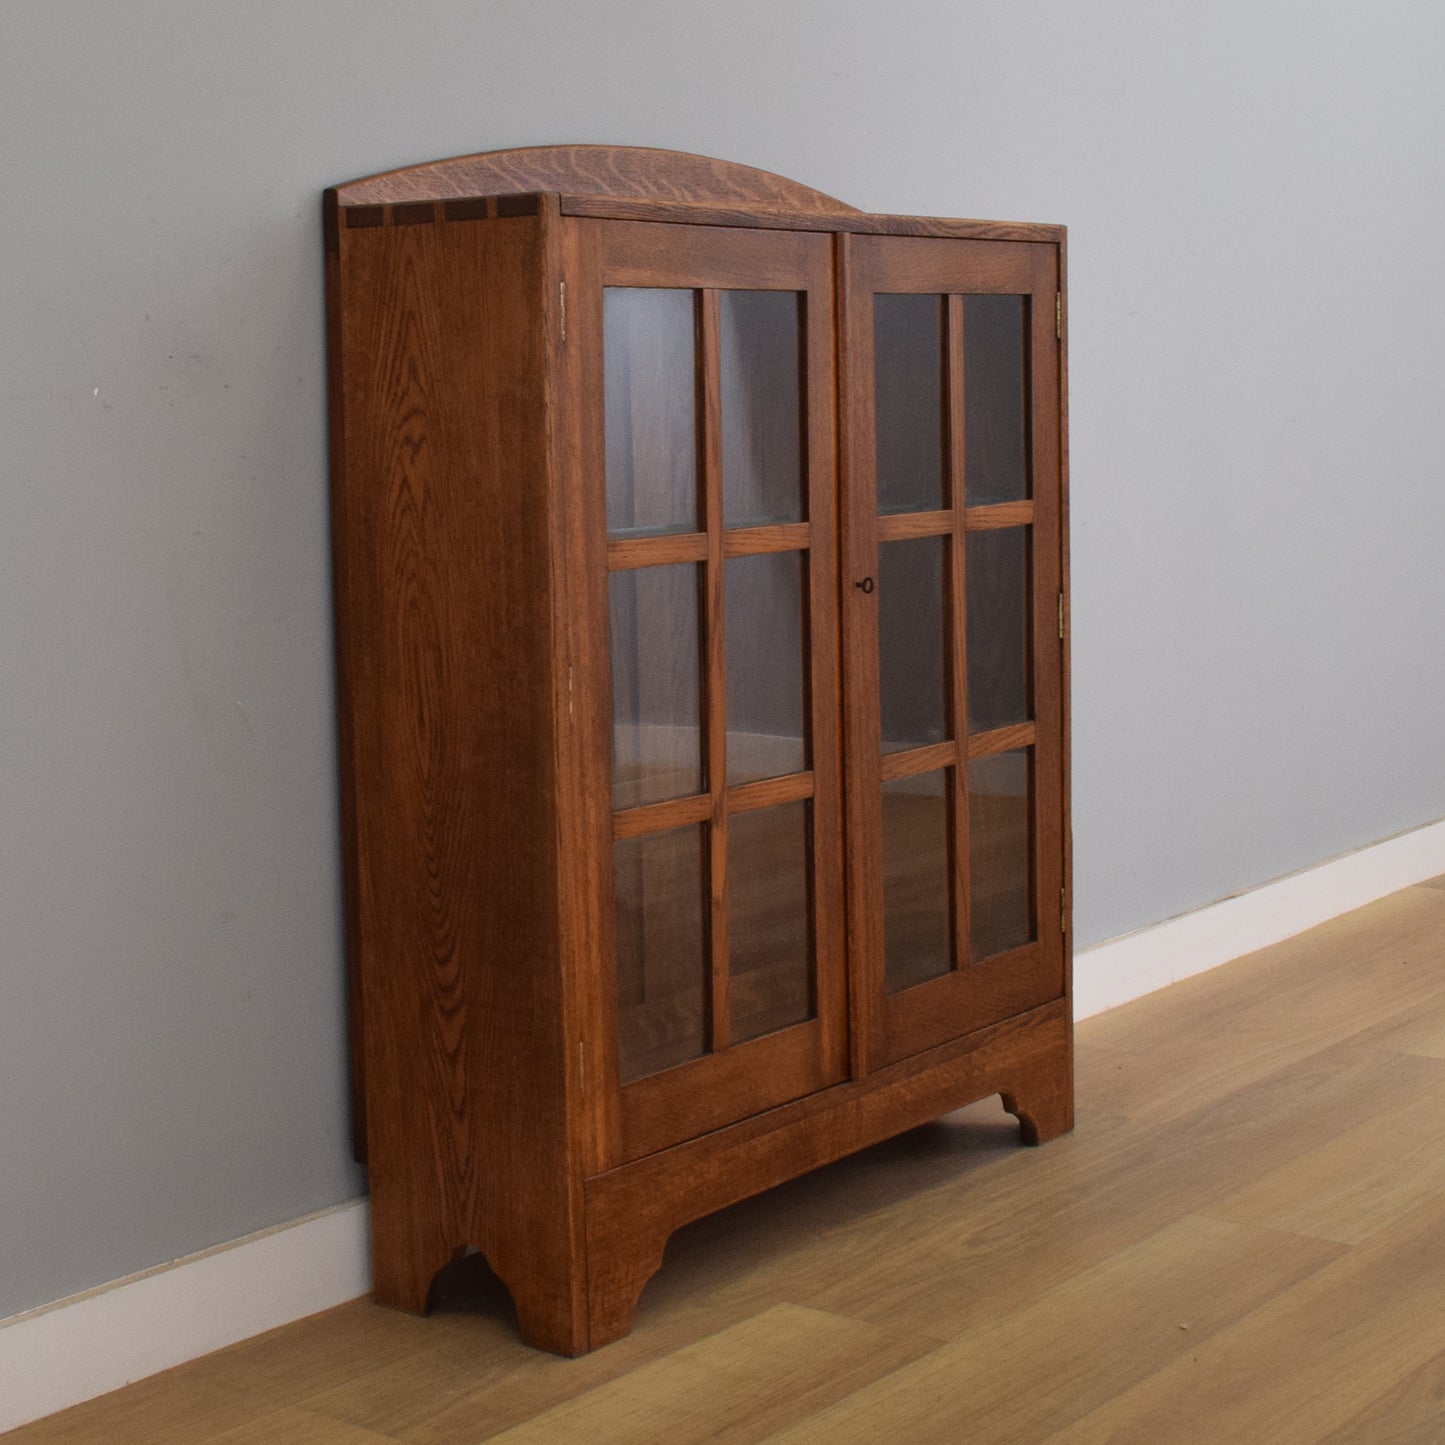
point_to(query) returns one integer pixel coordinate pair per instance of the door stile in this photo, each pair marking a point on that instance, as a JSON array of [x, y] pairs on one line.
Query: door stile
[[862, 739], [585, 811], [822, 664], [715, 661], [956, 613], [1044, 363]]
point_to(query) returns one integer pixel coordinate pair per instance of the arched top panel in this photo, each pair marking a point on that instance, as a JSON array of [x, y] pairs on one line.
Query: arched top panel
[[636, 172]]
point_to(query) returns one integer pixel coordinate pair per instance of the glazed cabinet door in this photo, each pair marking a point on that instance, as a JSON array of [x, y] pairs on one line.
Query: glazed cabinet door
[[953, 654], [703, 398]]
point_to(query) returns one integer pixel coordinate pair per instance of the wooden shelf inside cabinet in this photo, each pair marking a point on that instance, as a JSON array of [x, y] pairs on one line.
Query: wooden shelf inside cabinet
[[701, 574]]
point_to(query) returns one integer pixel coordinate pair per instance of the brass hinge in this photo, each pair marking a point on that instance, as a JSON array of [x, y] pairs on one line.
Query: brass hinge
[[1063, 911], [1061, 616], [582, 1066], [1058, 315], [562, 294]]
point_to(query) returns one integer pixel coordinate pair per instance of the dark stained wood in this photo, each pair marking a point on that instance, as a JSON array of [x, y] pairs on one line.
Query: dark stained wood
[[417, 213], [450, 670], [858, 531], [595, 171], [465, 314], [960, 819], [715, 694], [585, 749], [477, 208]]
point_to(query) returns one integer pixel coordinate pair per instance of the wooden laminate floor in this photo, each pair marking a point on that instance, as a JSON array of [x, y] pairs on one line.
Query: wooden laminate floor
[[1243, 1241]]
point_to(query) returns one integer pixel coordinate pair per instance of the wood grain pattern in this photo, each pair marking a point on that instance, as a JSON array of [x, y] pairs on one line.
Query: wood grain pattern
[[592, 170], [754, 541], [442, 446], [840, 219], [472, 566], [998, 514], [900, 526], [665, 551]]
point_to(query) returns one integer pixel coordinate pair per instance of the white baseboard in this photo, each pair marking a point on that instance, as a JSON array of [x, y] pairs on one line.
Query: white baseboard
[[95, 1342], [92, 1343], [1138, 963]]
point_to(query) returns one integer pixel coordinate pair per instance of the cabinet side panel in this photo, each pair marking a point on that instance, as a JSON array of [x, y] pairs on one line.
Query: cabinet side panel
[[450, 644]]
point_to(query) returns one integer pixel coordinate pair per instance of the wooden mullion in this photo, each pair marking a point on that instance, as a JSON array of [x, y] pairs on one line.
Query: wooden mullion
[[913, 761], [1002, 740], [753, 541], [769, 793], [715, 660], [904, 526], [998, 514], [958, 628], [629, 552], [661, 817]]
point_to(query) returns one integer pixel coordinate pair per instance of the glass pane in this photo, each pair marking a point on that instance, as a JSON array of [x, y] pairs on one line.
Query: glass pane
[[662, 974], [656, 693], [997, 569], [912, 668], [769, 940], [766, 689], [917, 873], [995, 405], [1000, 845], [762, 452], [650, 399], [908, 400]]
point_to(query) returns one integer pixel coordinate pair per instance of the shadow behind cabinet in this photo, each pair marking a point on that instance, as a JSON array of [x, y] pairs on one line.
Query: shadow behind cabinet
[[700, 567]]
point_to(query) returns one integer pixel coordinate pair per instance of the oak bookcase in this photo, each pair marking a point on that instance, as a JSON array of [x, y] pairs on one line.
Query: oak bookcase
[[700, 555]]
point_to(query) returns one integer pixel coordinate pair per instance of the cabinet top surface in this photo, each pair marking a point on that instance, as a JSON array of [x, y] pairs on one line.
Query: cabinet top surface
[[640, 183]]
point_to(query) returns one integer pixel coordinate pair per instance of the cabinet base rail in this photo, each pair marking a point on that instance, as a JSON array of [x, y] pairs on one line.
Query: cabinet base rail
[[632, 1211]]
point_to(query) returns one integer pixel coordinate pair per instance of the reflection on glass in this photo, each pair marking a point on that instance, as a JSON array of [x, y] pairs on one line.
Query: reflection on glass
[[656, 694], [650, 410], [912, 666], [1000, 846], [917, 873], [766, 688], [997, 569], [995, 409], [662, 974], [769, 954], [762, 454], [908, 401]]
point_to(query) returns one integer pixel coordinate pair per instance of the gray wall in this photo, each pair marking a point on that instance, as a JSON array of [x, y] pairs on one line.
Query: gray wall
[[1255, 198]]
